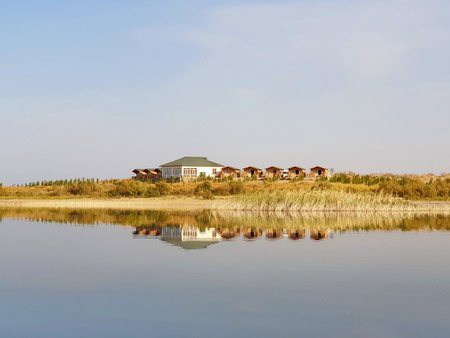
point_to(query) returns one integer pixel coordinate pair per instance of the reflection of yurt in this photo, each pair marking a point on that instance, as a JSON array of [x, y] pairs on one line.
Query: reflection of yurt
[[252, 233], [273, 233], [144, 230], [155, 232], [228, 233], [318, 234], [296, 234]]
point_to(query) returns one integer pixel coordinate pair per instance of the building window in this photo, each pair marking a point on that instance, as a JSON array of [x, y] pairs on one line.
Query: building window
[[189, 172], [177, 172], [167, 172], [214, 171]]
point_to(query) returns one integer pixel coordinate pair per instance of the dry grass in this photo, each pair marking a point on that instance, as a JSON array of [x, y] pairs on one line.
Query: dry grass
[[316, 200], [282, 198]]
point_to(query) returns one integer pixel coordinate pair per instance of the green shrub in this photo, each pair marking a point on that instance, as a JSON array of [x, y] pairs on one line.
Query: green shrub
[[236, 187], [411, 188], [163, 188], [83, 188], [221, 190], [152, 191], [297, 179], [204, 190]]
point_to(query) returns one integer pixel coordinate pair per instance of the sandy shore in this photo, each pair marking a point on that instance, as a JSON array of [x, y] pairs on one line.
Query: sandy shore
[[123, 203]]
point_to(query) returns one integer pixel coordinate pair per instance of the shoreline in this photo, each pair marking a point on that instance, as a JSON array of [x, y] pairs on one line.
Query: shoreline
[[122, 203], [185, 203]]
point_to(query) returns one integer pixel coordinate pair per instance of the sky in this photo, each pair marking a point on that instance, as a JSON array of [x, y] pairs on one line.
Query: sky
[[97, 88]]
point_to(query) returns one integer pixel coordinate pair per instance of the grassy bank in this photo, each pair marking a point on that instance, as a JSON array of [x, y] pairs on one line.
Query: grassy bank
[[388, 195], [278, 201]]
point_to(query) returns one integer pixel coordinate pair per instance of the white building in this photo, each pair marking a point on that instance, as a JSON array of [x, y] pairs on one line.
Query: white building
[[190, 167]]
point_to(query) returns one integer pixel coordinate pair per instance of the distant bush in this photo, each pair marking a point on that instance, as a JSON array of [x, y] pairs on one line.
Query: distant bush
[[435, 188], [297, 179], [221, 190], [236, 187], [163, 188], [411, 188], [83, 188], [204, 190], [152, 191]]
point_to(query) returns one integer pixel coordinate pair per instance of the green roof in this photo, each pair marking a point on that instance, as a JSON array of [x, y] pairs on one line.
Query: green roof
[[191, 245], [192, 161]]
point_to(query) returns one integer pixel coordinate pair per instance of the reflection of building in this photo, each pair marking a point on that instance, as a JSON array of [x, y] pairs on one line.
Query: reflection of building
[[273, 233], [252, 233], [152, 230], [296, 234], [318, 234], [190, 237], [228, 233]]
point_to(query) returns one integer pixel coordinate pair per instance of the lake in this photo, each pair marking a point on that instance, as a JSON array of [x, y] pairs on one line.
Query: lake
[[110, 273]]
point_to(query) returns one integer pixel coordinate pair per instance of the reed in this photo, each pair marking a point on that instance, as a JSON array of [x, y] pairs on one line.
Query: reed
[[316, 200]]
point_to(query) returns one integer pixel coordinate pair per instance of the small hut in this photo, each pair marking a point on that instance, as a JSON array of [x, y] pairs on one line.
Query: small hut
[[140, 174], [252, 172], [296, 172], [230, 172], [272, 172], [153, 173], [319, 172]]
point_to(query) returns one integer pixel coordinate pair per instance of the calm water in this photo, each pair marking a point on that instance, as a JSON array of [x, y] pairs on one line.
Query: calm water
[[100, 273]]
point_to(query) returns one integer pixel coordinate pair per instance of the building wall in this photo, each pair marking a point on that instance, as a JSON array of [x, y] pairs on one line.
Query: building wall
[[247, 173], [168, 172], [230, 172], [189, 171], [270, 173], [315, 173], [139, 176], [292, 173]]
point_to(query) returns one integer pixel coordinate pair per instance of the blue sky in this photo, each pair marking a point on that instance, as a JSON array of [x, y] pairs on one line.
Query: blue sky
[[97, 88]]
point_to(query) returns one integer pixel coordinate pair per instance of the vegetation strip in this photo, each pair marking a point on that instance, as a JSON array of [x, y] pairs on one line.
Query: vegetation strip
[[357, 194]]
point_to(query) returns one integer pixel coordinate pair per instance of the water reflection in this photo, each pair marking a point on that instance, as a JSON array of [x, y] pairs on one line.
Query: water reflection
[[192, 237], [209, 227], [186, 274]]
